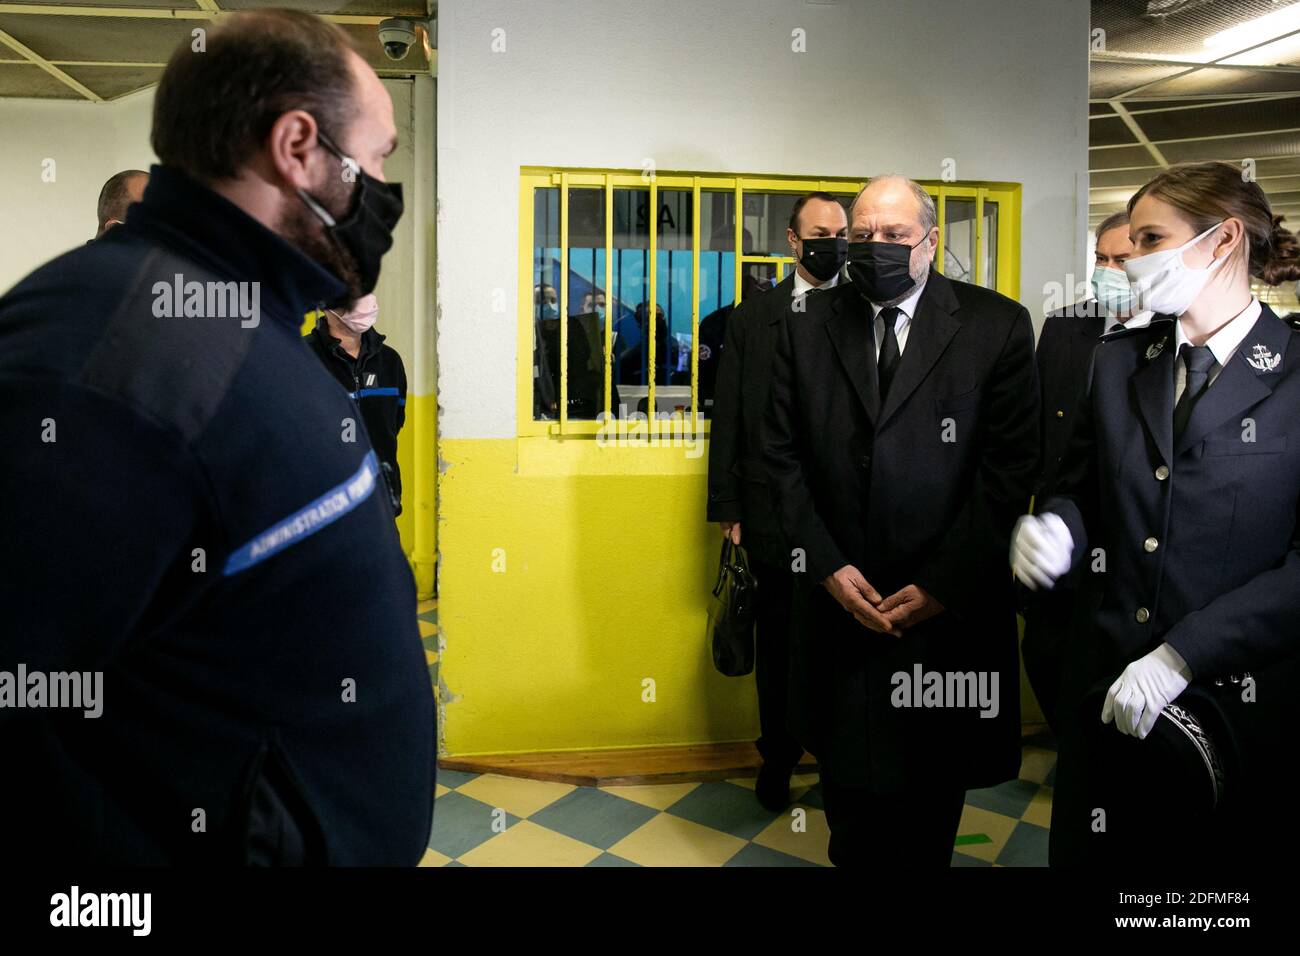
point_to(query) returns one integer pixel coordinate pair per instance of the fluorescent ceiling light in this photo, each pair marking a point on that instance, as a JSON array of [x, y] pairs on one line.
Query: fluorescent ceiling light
[[1258, 30]]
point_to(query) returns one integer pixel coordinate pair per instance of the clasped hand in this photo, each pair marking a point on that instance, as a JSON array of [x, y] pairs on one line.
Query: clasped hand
[[888, 615]]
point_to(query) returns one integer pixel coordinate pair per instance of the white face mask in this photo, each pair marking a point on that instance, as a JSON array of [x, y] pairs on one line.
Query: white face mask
[[1163, 283]]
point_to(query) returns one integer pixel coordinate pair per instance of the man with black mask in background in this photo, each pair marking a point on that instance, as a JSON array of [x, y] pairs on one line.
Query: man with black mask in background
[[740, 498]]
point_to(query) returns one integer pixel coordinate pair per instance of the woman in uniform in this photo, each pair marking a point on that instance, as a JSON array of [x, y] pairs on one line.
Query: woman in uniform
[[1174, 521]]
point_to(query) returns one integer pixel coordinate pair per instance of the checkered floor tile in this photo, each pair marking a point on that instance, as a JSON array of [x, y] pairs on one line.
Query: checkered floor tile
[[494, 820]]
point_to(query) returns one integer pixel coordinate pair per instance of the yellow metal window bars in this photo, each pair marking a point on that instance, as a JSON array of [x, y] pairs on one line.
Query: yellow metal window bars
[[979, 238]]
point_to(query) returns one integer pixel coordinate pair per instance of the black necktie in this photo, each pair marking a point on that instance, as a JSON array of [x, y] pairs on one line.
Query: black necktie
[[1198, 360], [887, 363]]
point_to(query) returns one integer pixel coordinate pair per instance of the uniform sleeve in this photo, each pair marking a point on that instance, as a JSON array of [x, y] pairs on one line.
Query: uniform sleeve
[[100, 509], [725, 425], [1074, 498], [785, 451], [1050, 325], [1008, 458]]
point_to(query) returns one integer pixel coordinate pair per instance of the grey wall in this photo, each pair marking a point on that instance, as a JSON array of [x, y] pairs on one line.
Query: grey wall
[[998, 86]]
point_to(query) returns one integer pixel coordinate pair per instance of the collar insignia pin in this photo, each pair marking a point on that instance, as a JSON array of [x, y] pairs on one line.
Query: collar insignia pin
[[1263, 360], [1155, 349]]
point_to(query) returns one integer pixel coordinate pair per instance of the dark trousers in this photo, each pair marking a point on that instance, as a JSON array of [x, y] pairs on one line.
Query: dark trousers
[[1043, 649], [772, 663], [913, 829]]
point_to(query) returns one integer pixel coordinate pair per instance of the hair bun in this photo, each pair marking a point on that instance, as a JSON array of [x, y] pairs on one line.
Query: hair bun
[[1283, 262]]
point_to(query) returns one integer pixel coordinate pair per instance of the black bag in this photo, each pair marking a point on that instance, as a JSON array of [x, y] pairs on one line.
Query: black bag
[[731, 613]]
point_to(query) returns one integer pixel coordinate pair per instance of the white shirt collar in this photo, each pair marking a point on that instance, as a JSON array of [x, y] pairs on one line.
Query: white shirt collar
[[1138, 320], [1225, 341], [802, 285], [908, 306]]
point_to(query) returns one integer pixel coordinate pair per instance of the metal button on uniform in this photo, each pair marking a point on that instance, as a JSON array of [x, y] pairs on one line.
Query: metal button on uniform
[[865, 462], [1060, 413], [1142, 615], [1162, 473], [1150, 544]]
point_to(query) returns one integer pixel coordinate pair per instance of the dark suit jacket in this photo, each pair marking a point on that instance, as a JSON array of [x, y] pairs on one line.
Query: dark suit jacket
[[1063, 356], [739, 489], [924, 491]]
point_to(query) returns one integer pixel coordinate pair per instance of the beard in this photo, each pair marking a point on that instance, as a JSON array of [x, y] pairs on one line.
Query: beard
[[301, 227], [917, 268]]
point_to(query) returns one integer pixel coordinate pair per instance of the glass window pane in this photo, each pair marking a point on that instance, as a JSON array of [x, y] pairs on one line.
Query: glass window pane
[[631, 295], [718, 221], [989, 252], [767, 216], [546, 300], [959, 239], [586, 301]]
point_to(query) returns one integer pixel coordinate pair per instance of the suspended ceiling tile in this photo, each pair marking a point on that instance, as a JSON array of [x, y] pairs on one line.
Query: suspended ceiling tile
[[27, 80], [1282, 51], [99, 38], [1282, 166], [1109, 131], [1230, 118], [1129, 29], [1129, 179], [1119, 158], [1142, 103], [1281, 184], [1237, 148], [1099, 109], [1282, 197], [1214, 80], [1108, 80], [111, 82]]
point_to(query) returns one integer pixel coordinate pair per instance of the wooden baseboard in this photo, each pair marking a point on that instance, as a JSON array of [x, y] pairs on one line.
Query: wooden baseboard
[[636, 766], [627, 767]]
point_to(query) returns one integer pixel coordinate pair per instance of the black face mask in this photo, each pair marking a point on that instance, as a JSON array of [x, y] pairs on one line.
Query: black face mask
[[366, 233], [882, 271], [823, 256]]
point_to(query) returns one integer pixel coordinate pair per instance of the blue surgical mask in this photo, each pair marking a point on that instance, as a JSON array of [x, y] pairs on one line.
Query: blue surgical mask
[[1111, 288], [600, 311], [550, 310]]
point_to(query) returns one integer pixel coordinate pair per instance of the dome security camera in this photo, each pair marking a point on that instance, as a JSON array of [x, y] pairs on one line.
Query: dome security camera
[[397, 37]]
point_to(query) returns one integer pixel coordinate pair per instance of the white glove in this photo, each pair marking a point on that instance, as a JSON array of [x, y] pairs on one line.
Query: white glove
[[1141, 692], [1041, 550]]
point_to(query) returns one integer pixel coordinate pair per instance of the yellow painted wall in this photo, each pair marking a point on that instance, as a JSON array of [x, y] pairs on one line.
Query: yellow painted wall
[[608, 564]]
